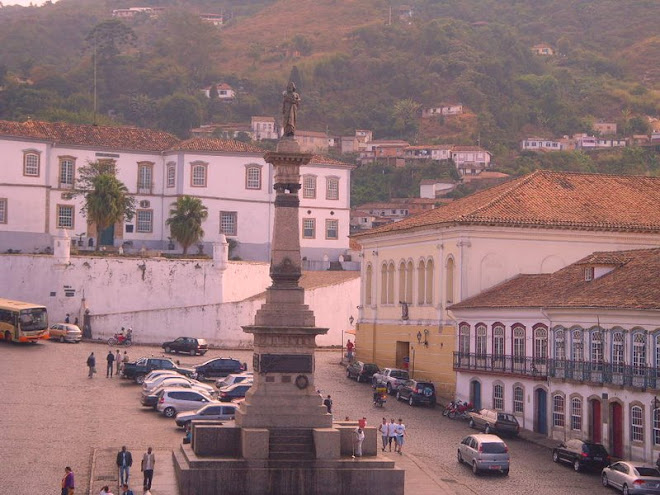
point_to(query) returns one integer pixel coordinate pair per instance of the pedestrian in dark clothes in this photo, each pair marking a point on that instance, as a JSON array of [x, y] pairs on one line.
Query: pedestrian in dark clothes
[[111, 361]]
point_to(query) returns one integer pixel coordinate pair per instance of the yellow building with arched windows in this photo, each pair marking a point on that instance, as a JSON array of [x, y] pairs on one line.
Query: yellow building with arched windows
[[413, 270]]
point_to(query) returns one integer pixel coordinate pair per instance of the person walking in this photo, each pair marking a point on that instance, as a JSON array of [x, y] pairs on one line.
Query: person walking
[[68, 485], [75, 322], [111, 359], [349, 350], [383, 429], [91, 364], [391, 434], [148, 462], [400, 435], [125, 490], [124, 463], [328, 404], [358, 438], [67, 319], [118, 361]]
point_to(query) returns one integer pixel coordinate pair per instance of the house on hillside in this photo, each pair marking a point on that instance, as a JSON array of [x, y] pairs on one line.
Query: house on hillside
[[433, 188], [312, 141], [230, 130], [585, 142], [540, 144], [135, 11], [443, 110], [470, 160], [356, 143], [225, 91], [42, 160], [428, 152], [382, 213], [216, 19], [415, 269], [573, 353], [389, 150], [263, 128], [543, 49], [604, 128]]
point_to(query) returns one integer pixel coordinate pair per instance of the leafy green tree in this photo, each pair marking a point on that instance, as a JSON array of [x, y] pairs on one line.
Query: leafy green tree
[[179, 113], [185, 222], [108, 38]]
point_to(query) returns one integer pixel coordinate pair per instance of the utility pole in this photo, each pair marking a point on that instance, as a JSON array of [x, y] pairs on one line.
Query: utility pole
[[94, 79]]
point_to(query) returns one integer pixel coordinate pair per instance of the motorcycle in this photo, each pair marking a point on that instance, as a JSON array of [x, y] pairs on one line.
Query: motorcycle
[[380, 397], [121, 339], [458, 409]]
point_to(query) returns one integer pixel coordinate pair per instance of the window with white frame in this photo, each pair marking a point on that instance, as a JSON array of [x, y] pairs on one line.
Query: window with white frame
[[309, 228], [198, 174], [498, 341], [31, 162], [518, 400], [558, 411], [66, 172], [656, 427], [540, 344], [65, 219], [144, 221], [309, 186], [229, 222], [560, 345], [596, 356], [145, 172], [171, 175], [331, 229], [639, 353], [332, 188], [578, 346], [636, 424], [480, 342], [618, 352], [464, 339], [576, 414], [253, 177], [519, 343], [3, 210], [498, 397]]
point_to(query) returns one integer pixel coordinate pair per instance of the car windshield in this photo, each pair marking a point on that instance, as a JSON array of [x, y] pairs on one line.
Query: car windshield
[[647, 471], [493, 448], [507, 417], [399, 374]]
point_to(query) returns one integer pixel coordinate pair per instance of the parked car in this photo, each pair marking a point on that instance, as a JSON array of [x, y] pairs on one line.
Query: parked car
[[219, 368], [390, 378], [167, 380], [581, 454], [492, 421], [484, 453], [150, 398], [176, 400], [156, 373], [209, 411], [188, 345], [632, 477], [235, 391], [417, 392], [234, 378], [139, 369], [361, 372], [65, 332]]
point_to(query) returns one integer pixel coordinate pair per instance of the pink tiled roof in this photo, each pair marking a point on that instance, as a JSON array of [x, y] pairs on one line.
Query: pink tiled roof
[[556, 200], [217, 145], [326, 160], [633, 284]]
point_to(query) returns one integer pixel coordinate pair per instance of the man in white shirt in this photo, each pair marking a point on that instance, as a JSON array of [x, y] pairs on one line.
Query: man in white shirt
[[382, 428], [400, 430], [391, 434], [148, 462]]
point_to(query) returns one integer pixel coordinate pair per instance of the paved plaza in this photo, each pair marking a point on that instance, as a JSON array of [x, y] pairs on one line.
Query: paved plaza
[[54, 416]]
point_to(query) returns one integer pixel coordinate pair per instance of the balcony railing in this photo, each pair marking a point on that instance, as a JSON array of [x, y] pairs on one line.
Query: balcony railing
[[495, 363], [601, 373]]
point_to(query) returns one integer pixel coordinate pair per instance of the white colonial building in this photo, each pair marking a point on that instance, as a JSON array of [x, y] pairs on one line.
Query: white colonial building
[[573, 354], [41, 160]]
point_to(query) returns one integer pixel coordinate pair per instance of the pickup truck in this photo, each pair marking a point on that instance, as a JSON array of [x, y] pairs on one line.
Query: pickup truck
[[140, 368], [390, 378]]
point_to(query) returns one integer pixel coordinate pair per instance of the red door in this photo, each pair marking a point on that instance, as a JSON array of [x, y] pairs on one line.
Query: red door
[[617, 430], [596, 422]]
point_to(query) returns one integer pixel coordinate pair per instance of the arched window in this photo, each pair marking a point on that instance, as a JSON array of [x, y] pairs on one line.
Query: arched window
[[421, 282], [480, 340], [560, 345], [518, 400], [656, 427], [639, 352], [577, 345], [369, 286], [409, 282], [540, 344], [636, 424], [618, 352], [596, 350], [656, 340], [558, 411], [171, 174], [464, 339], [498, 397], [576, 414], [402, 283], [429, 281], [498, 347], [450, 281], [390, 284], [518, 347], [383, 284], [198, 174]]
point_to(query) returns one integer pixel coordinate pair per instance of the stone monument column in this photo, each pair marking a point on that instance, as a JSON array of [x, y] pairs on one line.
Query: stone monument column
[[283, 394]]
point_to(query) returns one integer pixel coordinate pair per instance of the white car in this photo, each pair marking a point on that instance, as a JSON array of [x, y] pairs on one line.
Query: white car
[[175, 400], [156, 373], [484, 453], [65, 332], [234, 378], [173, 381], [210, 411]]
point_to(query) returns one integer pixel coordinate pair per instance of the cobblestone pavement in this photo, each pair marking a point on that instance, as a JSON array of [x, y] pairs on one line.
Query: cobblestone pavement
[[52, 416]]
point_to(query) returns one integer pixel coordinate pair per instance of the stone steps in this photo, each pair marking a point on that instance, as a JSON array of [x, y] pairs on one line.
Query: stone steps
[[291, 444]]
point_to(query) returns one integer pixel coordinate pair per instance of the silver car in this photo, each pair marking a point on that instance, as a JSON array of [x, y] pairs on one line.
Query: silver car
[[235, 378], [173, 381], [210, 411], [176, 400], [484, 453], [632, 477]]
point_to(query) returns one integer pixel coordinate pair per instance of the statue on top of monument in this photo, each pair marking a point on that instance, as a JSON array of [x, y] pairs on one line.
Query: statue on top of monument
[[290, 102]]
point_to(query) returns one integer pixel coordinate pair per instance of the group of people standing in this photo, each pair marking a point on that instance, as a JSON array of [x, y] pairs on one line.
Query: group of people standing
[[115, 361], [392, 433]]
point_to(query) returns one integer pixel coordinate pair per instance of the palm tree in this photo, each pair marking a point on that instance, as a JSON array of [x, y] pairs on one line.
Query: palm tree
[[186, 217], [107, 202]]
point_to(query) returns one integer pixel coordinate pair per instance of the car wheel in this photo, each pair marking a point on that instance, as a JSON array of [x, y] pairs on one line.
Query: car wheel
[[192, 352], [625, 490], [470, 424], [139, 379], [605, 481], [576, 466], [202, 353], [555, 456], [201, 377], [167, 350], [411, 402], [389, 389], [358, 378], [475, 469], [169, 412], [459, 457], [62, 339]]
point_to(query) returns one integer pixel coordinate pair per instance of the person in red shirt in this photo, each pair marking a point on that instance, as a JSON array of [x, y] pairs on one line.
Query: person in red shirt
[[349, 349]]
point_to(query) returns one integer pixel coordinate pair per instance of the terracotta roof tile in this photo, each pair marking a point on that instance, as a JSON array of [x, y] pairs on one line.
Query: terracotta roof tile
[[326, 160], [124, 137], [557, 200], [633, 284], [218, 145], [469, 148]]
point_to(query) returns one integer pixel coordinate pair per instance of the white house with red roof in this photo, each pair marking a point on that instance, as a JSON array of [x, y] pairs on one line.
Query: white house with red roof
[[470, 160], [41, 162]]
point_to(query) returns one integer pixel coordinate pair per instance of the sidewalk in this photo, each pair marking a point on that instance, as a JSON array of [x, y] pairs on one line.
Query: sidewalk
[[105, 472]]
